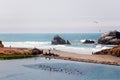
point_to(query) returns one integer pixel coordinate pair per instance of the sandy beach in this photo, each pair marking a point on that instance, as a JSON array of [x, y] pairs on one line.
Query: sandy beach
[[101, 59]]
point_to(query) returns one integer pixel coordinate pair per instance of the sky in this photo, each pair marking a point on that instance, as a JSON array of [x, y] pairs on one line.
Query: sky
[[76, 16]]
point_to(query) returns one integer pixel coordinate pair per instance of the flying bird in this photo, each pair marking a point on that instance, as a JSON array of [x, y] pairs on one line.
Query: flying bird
[[96, 22]]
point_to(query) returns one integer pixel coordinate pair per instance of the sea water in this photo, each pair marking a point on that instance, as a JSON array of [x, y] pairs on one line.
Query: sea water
[[55, 69], [43, 41]]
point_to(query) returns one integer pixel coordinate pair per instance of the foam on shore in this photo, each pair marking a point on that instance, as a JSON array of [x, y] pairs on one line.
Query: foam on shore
[[47, 45]]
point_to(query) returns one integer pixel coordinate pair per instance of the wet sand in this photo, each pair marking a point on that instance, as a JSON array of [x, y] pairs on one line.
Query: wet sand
[[101, 59]]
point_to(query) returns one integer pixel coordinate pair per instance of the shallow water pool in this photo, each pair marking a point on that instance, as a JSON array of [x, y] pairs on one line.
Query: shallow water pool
[[55, 69]]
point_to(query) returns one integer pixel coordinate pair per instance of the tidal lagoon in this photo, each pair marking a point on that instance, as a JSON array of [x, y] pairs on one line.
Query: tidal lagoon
[[55, 69]]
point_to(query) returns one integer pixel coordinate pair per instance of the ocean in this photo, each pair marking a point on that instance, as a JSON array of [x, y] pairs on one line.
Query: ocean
[[43, 41]]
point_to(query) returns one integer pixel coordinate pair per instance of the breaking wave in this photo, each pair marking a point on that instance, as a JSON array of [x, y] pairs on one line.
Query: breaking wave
[[47, 45]]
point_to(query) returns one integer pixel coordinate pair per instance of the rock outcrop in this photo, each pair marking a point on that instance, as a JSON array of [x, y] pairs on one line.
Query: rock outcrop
[[12, 51], [36, 51], [110, 38], [115, 51], [1, 45], [24, 51], [58, 40], [88, 41], [68, 42]]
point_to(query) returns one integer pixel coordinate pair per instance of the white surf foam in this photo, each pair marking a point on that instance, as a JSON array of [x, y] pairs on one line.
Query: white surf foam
[[26, 44], [47, 45], [99, 48], [83, 40]]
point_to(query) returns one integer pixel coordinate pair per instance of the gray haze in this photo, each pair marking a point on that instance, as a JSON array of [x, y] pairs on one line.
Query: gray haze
[[59, 15]]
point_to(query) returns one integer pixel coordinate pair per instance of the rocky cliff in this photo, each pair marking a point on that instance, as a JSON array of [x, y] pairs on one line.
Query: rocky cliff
[[1, 45], [115, 51], [110, 38]]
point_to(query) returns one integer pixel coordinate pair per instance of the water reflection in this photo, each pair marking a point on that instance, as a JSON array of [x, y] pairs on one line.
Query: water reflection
[[57, 67]]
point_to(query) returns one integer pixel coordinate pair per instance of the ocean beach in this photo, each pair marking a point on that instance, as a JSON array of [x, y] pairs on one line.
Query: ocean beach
[[43, 41], [59, 40], [77, 51], [74, 60]]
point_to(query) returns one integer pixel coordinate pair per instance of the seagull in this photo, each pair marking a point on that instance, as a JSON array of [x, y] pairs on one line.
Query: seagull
[[96, 22]]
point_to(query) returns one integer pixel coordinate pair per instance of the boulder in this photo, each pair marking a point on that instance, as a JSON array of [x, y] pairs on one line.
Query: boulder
[[115, 51], [110, 38], [36, 51], [1, 45], [68, 42], [88, 41], [58, 40]]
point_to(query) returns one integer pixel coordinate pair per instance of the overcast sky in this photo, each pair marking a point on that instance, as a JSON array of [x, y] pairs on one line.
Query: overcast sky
[[59, 16]]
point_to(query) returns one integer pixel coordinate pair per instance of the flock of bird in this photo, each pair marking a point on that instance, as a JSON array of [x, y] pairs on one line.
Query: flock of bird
[[53, 68]]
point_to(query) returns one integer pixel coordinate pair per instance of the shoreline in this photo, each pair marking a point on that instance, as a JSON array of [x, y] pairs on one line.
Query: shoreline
[[99, 59]]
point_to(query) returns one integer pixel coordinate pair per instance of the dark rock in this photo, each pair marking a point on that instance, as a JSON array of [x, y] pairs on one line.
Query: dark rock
[[58, 40], [68, 42], [115, 51], [36, 51], [110, 38], [1, 45], [88, 42], [51, 54]]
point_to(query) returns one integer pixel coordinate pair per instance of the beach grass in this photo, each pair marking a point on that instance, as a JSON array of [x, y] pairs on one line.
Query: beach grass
[[15, 56]]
